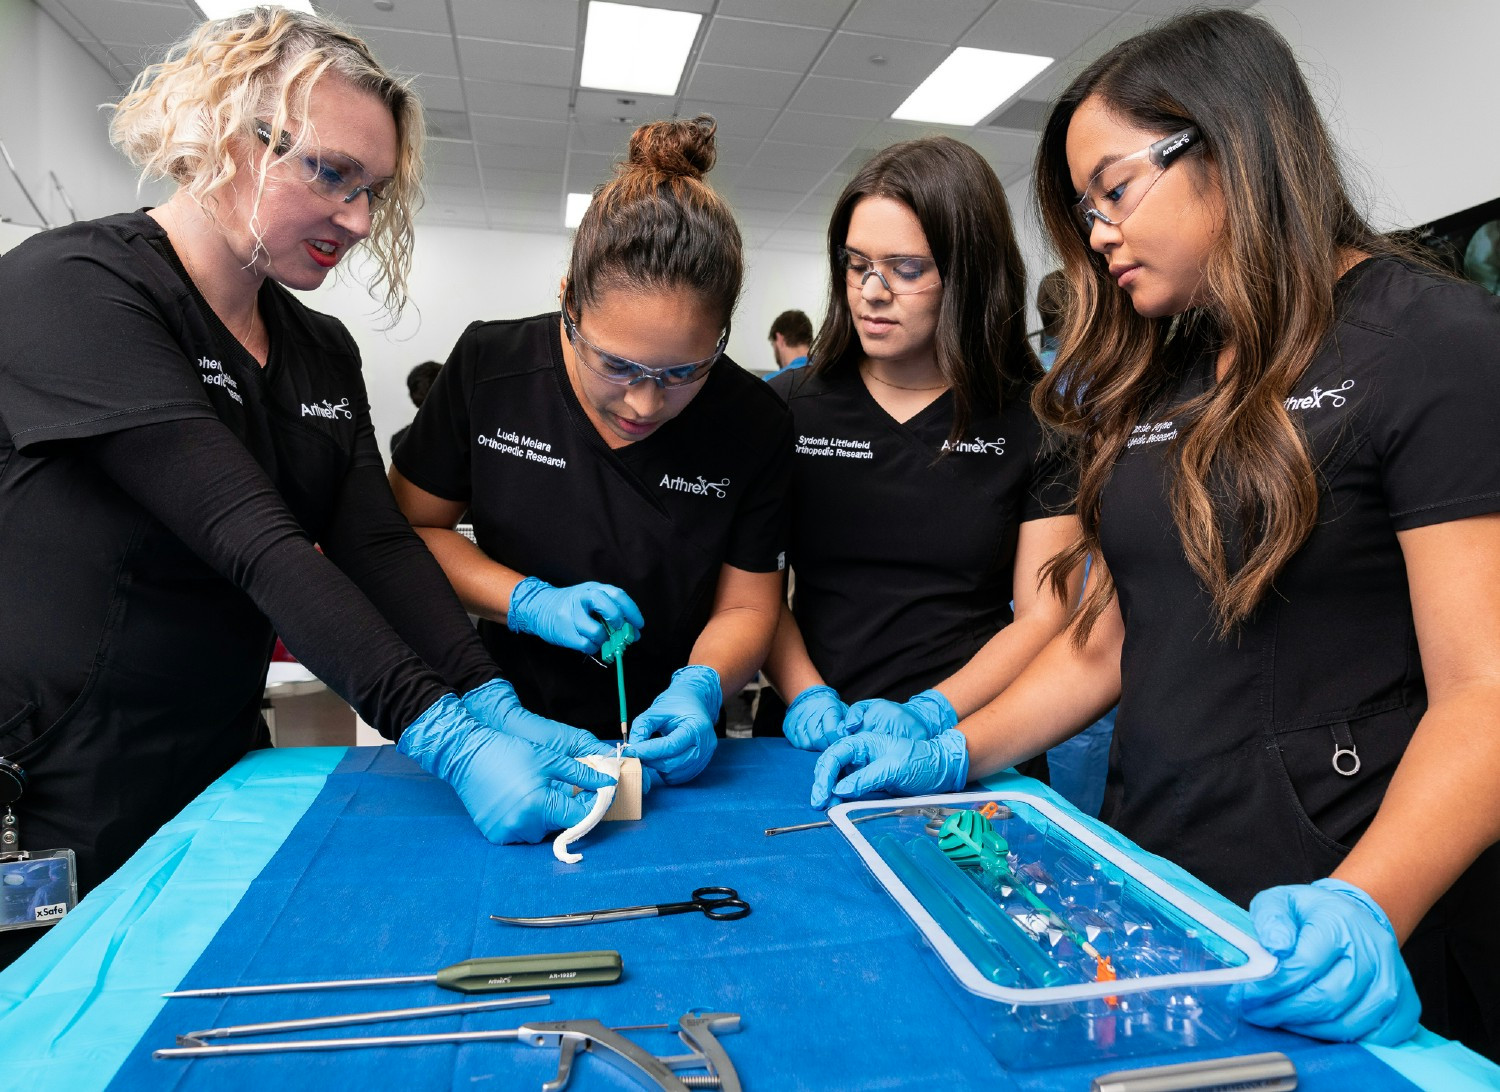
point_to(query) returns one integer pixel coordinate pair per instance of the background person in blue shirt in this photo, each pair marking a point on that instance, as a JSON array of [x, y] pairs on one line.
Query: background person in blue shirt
[[791, 336]]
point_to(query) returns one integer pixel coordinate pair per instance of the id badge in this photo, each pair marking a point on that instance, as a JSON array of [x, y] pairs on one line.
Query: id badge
[[37, 889]]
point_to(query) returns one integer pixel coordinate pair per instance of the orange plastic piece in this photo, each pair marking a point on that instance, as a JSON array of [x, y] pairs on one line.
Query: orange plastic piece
[[990, 810], [1105, 972]]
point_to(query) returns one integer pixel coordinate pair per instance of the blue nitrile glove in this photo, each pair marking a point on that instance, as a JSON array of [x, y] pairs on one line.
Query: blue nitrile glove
[[815, 718], [508, 784], [924, 716], [911, 767], [675, 735], [576, 617], [496, 706], [1341, 974]]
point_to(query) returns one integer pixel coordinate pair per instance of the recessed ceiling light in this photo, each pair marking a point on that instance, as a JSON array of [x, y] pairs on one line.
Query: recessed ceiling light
[[630, 48], [969, 85], [578, 204], [222, 9]]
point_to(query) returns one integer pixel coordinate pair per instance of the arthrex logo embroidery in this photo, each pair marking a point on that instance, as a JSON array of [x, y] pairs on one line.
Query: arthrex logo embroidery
[[213, 375], [522, 447], [701, 488], [327, 409], [1314, 399], [977, 446]]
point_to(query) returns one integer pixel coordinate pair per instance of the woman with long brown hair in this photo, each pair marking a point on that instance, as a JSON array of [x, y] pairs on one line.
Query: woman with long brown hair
[[1287, 479], [915, 413]]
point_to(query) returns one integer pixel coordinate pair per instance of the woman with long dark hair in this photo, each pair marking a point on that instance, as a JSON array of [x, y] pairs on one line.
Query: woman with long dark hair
[[1288, 478], [925, 499], [617, 467]]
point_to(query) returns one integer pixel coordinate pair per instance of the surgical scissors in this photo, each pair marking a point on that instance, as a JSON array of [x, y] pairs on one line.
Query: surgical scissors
[[718, 903], [935, 816]]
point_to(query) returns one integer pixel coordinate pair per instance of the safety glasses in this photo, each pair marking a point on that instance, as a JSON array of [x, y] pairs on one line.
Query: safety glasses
[[627, 373], [902, 276], [330, 175], [1118, 189]]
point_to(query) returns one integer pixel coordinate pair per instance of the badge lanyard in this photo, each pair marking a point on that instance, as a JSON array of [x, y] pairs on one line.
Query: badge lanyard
[[36, 889]]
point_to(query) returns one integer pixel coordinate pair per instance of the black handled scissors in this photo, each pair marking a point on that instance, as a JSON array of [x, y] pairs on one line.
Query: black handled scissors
[[719, 903]]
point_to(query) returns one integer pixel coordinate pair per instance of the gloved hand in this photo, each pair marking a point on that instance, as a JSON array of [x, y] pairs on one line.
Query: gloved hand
[[496, 706], [815, 718], [911, 767], [576, 617], [924, 716], [1341, 974], [675, 735], [508, 784]]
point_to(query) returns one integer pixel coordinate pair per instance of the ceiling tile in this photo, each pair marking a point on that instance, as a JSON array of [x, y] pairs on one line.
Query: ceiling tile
[[808, 13], [525, 131], [452, 174], [454, 195], [410, 51], [752, 44], [750, 86], [797, 241], [766, 200], [606, 106], [902, 60], [734, 152], [742, 122], [406, 15], [927, 22], [1124, 26], [1005, 147], [439, 92], [605, 140], [123, 22], [516, 63], [1038, 27], [540, 204], [516, 100], [520, 157], [501, 180], [763, 219], [783, 179], [539, 22], [1172, 7], [453, 216], [807, 157], [800, 128], [448, 152], [852, 98]]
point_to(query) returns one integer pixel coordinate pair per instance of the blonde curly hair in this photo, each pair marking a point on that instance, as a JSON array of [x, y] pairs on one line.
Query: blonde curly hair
[[181, 116]]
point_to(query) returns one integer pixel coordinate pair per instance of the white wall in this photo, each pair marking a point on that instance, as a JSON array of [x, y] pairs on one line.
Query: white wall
[[52, 90], [463, 274], [1408, 89]]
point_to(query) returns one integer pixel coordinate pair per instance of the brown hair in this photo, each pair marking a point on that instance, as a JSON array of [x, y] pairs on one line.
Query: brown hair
[[657, 224], [1267, 295], [982, 352], [794, 327], [1052, 302], [181, 116]]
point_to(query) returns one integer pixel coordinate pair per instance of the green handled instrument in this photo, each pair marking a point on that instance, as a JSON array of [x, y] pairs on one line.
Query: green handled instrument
[[493, 975], [613, 651]]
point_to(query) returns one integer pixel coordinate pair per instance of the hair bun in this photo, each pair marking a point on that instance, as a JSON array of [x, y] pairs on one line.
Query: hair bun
[[677, 147]]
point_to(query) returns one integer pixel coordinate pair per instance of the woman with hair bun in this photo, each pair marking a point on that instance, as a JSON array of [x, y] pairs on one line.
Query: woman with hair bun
[[177, 431], [1286, 484], [617, 468]]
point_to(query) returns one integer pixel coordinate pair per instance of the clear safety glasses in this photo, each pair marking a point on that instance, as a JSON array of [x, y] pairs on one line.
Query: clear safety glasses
[[902, 275], [1117, 190], [627, 373], [328, 174]]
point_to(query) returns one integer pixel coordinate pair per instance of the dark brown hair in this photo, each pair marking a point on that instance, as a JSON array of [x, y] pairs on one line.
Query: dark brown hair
[[1052, 302], [794, 327], [1267, 295], [658, 225], [982, 352]]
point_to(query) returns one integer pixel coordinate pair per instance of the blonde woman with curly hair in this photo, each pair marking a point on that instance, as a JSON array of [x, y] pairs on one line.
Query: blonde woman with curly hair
[[179, 431]]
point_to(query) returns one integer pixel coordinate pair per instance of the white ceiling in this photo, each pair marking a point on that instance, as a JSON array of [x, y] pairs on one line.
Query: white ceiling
[[803, 90]]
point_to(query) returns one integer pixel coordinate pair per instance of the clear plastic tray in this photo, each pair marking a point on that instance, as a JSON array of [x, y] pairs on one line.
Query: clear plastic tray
[[1023, 954]]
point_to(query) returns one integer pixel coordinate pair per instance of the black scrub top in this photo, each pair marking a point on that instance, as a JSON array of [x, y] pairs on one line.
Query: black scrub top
[[1224, 749], [503, 431], [131, 674], [903, 543]]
